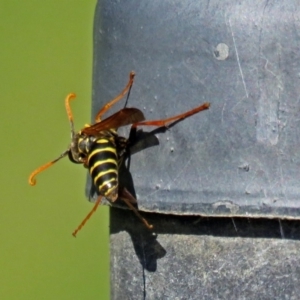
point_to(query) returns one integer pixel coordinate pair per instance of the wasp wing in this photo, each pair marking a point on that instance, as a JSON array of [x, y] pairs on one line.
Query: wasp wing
[[123, 117]]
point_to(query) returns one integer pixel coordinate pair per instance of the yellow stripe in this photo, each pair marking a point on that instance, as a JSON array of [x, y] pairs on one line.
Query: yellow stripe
[[103, 141], [108, 149], [104, 173], [106, 182], [98, 163], [109, 191]]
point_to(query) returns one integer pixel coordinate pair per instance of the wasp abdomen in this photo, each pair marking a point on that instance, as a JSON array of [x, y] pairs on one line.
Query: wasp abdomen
[[103, 167]]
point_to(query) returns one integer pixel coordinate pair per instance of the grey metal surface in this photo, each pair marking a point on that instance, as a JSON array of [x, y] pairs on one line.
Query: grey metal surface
[[204, 258], [239, 158]]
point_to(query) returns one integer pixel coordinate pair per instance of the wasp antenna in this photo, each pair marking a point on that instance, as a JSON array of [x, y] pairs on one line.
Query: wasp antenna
[[68, 108], [32, 180], [69, 112], [88, 216]]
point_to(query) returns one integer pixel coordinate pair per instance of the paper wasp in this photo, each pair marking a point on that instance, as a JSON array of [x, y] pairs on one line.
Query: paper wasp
[[100, 149]]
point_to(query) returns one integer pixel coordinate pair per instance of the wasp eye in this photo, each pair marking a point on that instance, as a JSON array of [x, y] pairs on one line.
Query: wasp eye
[[82, 157]]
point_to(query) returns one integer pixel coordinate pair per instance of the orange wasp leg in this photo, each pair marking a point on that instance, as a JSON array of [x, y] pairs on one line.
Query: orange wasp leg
[[128, 199], [182, 116], [97, 203], [149, 226], [107, 106]]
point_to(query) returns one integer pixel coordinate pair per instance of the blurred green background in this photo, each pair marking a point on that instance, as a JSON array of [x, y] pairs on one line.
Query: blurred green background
[[46, 53]]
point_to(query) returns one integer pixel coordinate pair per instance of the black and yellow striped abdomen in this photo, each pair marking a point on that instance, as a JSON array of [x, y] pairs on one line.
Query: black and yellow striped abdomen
[[103, 167]]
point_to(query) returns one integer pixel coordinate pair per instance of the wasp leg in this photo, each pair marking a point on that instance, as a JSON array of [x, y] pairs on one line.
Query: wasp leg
[[165, 122], [107, 106], [129, 199], [88, 216]]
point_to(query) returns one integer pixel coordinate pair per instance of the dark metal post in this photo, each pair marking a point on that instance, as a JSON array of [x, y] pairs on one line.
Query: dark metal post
[[222, 187]]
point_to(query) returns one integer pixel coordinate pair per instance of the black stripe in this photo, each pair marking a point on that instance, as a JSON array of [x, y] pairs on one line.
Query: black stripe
[[104, 167], [101, 156]]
